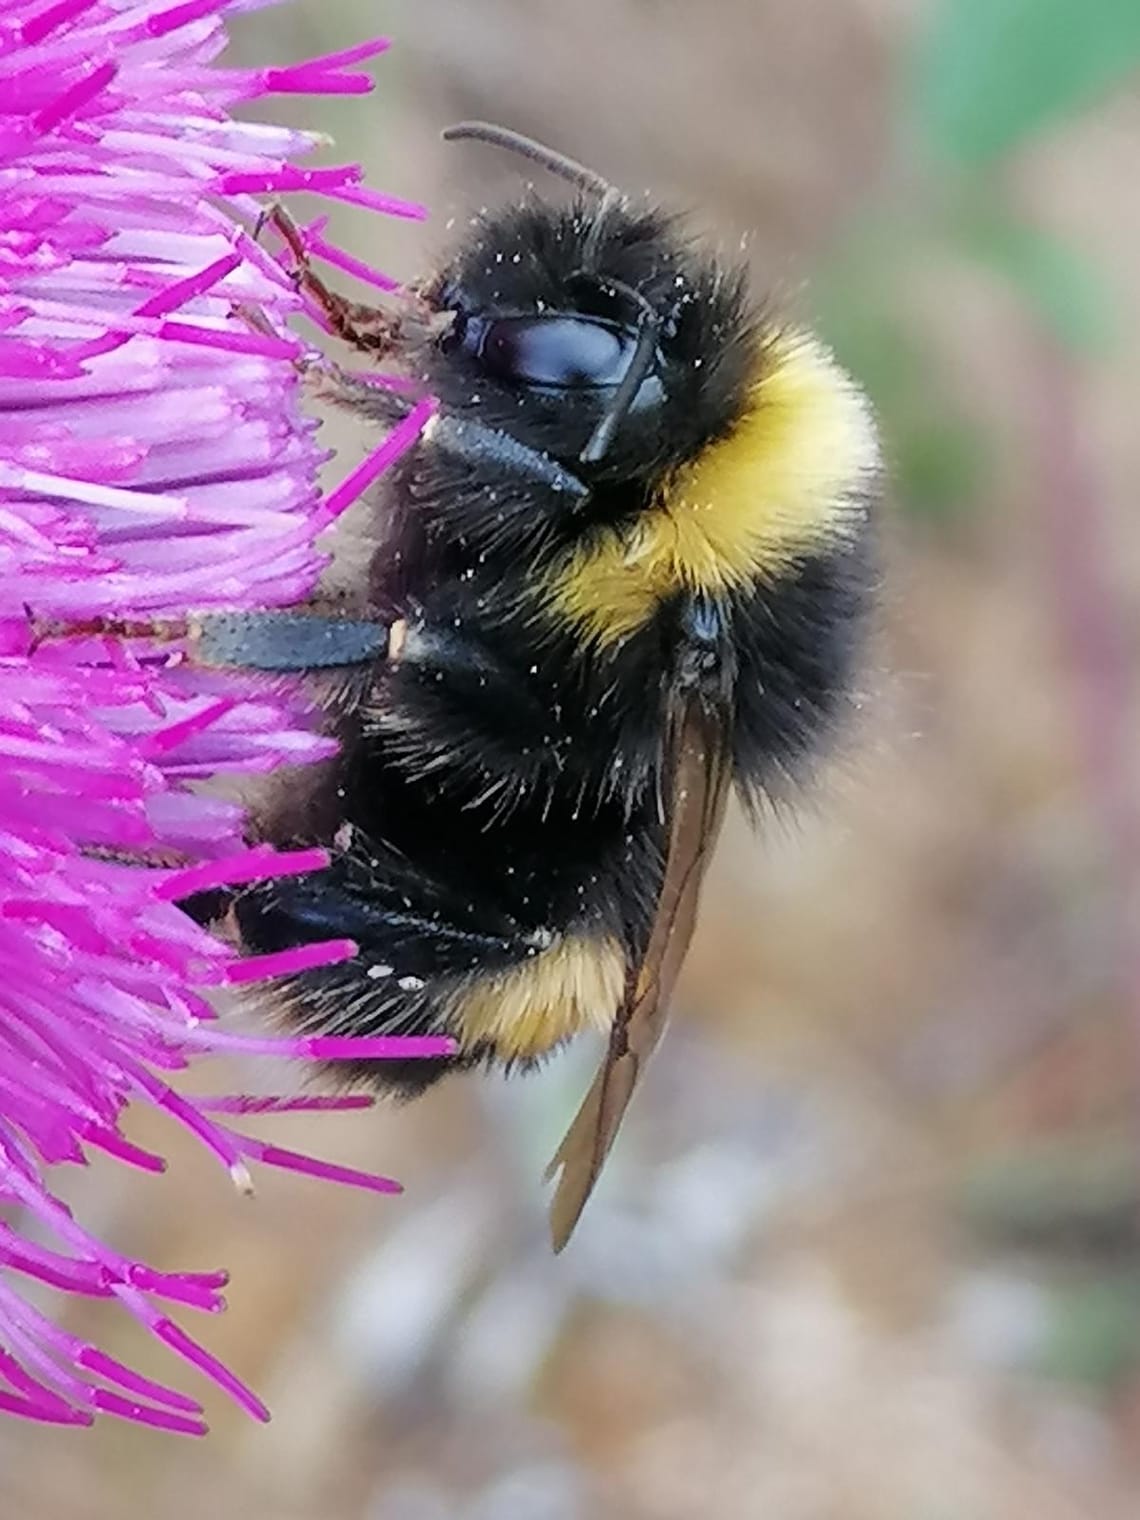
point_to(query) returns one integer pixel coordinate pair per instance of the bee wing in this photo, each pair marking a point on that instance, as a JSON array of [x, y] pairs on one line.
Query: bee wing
[[698, 793]]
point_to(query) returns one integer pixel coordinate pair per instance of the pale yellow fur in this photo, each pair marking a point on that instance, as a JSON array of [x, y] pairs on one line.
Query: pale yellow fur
[[574, 985], [785, 482]]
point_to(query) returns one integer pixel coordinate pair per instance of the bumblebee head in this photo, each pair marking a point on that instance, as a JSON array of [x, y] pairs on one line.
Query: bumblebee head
[[590, 332], [720, 449]]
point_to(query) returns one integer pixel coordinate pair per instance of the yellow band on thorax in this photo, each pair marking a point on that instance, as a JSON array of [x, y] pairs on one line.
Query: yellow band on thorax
[[784, 483]]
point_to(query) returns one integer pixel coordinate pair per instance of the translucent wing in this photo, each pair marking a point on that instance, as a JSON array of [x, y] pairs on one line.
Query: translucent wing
[[697, 796]]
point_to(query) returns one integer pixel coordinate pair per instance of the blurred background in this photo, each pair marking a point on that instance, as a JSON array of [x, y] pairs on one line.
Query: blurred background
[[870, 1245]]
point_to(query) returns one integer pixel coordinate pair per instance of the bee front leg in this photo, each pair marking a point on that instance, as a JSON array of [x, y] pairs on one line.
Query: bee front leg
[[358, 324], [477, 445]]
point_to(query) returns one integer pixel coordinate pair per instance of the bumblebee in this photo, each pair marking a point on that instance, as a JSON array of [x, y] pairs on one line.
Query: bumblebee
[[628, 561]]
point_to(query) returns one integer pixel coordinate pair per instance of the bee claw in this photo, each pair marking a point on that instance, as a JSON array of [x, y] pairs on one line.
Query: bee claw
[[276, 216]]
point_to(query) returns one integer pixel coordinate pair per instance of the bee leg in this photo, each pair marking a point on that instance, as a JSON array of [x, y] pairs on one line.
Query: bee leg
[[279, 640], [415, 947], [362, 326], [477, 444]]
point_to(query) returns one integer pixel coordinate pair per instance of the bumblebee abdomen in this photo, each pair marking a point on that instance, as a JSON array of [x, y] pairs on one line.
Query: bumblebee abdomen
[[573, 984], [510, 931]]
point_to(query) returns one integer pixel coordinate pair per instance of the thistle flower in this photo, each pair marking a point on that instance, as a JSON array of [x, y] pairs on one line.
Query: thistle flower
[[153, 459]]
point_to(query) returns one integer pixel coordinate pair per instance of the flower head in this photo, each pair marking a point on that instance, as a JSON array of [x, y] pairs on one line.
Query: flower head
[[154, 458]]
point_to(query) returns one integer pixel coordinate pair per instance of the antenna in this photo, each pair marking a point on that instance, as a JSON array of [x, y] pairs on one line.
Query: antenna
[[640, 363], [526, 147], [631, 382]]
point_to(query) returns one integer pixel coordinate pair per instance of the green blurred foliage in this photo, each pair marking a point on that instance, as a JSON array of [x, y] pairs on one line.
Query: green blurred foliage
[[1094, 1332], [1062, 1197], [985, 77], [938, 456], [1063, 294], [1071, 1206], [993, 73]]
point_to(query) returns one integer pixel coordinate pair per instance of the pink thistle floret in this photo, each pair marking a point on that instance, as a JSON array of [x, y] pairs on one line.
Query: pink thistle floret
[[154, 460]]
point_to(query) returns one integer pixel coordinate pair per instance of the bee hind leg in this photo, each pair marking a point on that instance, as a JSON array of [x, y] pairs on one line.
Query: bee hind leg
[[414, 950]]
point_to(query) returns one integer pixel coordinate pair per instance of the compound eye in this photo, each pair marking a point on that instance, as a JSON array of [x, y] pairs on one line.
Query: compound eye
[[557, 351]]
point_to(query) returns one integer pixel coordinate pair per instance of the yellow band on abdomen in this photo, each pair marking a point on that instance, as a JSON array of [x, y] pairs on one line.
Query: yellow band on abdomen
[[574, 985]]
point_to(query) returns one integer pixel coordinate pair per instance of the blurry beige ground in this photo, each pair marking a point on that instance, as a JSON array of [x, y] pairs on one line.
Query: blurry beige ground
[[820, 1284]]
